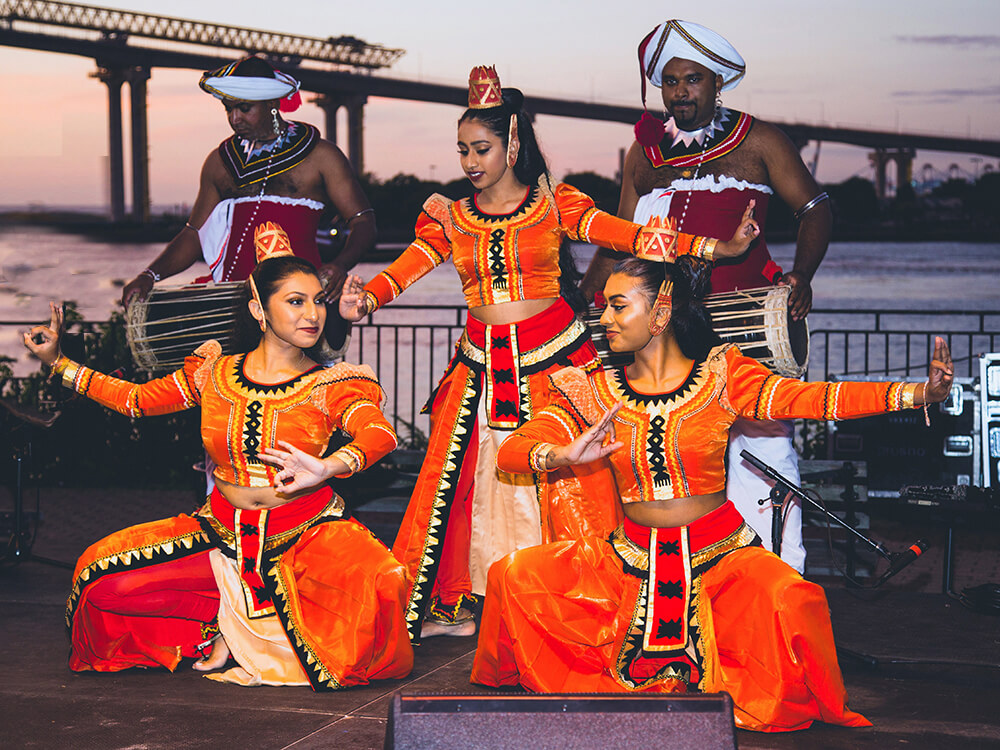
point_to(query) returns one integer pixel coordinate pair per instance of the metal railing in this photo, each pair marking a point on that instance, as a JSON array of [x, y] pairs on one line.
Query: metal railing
[[409, 348], [847, 343]]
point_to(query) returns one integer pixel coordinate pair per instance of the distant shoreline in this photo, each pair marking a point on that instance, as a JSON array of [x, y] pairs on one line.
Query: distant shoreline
[[163, 227]]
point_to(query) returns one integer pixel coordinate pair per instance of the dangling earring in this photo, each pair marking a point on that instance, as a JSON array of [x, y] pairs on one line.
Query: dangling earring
[[718, 103], [274, 119], [512, 143], [659, 316]]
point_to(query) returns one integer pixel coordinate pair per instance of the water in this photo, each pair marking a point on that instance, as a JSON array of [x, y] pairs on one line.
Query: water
[[37, 265]]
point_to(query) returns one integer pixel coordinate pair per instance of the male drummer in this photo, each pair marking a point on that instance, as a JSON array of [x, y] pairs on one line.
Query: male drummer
[[701, 168], [270, 169]]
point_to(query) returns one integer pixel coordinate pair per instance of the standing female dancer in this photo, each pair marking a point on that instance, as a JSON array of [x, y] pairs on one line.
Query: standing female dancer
[[681, 596], [505, 242], [307, 596]]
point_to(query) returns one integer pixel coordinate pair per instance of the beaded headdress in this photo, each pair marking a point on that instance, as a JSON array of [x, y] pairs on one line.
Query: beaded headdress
[[484, 88]]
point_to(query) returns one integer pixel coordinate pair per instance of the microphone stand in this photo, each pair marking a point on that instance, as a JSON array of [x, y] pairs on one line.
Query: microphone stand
[[780, 491]]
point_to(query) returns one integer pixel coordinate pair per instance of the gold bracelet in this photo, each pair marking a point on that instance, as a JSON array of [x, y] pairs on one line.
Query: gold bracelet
[[67, 369], [538, 457], [371, 303], [907, 397], [352, 462], [709, 252]]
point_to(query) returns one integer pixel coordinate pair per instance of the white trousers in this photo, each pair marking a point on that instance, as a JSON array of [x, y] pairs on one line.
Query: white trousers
[[771, 442]]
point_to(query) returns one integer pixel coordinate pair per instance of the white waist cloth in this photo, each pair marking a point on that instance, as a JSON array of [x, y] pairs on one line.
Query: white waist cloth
[[505, 512], [657, 201]]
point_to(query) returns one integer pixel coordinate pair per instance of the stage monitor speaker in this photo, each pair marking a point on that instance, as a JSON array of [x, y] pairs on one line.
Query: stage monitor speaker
[[560, 721], [900, 450]]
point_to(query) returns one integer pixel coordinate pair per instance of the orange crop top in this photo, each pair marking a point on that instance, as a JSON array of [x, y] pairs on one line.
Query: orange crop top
[[515, 256], [239, 416], [675, 443]]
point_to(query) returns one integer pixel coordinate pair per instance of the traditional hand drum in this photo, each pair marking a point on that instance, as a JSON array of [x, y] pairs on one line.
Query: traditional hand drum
[[172, 322], [756, 320]]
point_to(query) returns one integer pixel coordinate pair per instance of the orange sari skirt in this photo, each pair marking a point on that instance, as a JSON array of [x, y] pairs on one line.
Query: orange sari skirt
[[336, 590], [571, 617], [501, 372]]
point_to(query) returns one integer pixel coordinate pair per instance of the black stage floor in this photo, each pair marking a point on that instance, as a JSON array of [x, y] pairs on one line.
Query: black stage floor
[[924, 669]]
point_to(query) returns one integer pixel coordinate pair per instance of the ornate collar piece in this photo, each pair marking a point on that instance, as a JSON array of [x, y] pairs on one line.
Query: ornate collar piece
[[250, 161], [682, 148]]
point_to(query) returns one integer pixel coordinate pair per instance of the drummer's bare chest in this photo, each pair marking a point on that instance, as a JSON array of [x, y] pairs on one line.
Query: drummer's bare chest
[[301, 181], [744, 163]]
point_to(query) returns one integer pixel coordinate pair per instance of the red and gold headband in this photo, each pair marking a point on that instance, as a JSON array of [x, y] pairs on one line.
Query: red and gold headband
[[484, 88], [271, 241]]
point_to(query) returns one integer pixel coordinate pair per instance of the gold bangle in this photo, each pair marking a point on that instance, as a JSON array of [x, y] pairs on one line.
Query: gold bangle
[[538, 457], [371, 303], [709, 252], [907, 397], [67, 369], [352, 462]]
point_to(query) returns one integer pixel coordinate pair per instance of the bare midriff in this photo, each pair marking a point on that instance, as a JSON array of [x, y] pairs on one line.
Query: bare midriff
[[679, 511], [505, 313], [255, 498]]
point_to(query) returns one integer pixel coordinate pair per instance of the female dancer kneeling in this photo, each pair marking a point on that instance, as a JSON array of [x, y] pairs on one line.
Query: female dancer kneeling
[[506, 243], [682, 596], [303, 595]]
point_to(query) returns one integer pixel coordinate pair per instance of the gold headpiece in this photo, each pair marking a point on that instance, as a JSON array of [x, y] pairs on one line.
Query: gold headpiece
[[484, 88], [658, 240], [271, 241]]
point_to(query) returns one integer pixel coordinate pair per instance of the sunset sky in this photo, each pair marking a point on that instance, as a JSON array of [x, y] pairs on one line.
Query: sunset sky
[[913, 66]]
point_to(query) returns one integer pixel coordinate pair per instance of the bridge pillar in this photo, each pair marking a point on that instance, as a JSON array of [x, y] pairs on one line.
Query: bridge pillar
[[113, 78], [331, 106], [879, 159], [356, 131], [137, 77], [355, 106], [904, 167]]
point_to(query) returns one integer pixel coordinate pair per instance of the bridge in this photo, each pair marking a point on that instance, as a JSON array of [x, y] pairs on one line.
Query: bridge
[[340, 70]]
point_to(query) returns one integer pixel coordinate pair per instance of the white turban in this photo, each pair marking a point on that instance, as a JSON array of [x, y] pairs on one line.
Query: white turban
[[249, 80], [691, 42]]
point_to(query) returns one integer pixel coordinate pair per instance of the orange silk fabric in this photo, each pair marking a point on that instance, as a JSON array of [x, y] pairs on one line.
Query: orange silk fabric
[[510, 257], [678, 440], [557, 616], [239, 417]]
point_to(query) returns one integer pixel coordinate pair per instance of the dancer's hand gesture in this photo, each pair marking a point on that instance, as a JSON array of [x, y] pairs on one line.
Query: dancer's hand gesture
[[596, 442], [43, 340], [352, 299]]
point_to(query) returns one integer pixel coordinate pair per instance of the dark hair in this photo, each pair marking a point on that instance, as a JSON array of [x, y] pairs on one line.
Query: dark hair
[[530, 162], [689, 319], [268, 276]]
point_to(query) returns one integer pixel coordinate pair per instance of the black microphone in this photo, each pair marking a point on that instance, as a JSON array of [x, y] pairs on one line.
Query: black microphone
[[901, 560]]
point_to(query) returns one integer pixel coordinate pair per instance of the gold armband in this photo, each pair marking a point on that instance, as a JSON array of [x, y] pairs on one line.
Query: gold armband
[[907, 396], [371, 303], [538, 456], [708, 253], [67, 369]]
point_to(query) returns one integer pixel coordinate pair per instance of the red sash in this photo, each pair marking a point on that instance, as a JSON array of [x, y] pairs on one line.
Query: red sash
[[252, 528]]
